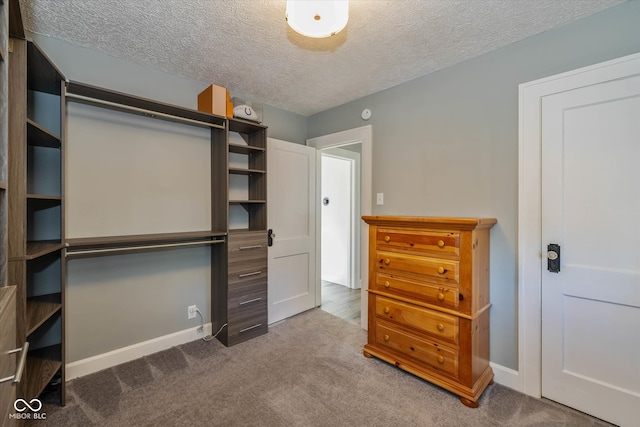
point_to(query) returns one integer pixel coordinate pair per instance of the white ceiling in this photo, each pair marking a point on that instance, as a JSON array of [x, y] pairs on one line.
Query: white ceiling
[[246, 45]]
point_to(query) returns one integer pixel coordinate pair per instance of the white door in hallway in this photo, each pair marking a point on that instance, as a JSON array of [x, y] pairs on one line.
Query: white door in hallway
[[337, 216], [591, 209], [291, 192]]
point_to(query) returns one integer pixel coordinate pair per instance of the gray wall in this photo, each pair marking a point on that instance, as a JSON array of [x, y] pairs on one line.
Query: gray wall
[[117, 301], [447, 144]]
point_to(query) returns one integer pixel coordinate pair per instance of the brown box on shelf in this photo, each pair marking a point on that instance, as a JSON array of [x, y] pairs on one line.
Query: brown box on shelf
[[213, 100]]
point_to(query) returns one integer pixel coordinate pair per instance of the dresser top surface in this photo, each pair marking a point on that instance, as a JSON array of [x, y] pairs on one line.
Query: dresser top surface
[[430, 221]]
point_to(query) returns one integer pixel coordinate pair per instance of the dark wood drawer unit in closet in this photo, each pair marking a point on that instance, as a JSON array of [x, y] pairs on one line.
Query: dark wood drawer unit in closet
[[246, 286], [429, 299]]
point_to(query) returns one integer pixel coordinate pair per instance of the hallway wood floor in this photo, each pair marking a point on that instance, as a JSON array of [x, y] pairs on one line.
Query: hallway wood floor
[[341, 301]]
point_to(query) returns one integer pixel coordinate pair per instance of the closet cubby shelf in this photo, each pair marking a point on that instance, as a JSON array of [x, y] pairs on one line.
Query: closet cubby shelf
[[41, 137], [244, 126], [88, 94], [243, 171], [42, 75], [41, 248], [40, 309], [43, 364], [43, 197], [244, 202], [244, 149]]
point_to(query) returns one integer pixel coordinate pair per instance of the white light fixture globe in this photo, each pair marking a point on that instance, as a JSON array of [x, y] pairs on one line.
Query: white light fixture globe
[[317, 18]]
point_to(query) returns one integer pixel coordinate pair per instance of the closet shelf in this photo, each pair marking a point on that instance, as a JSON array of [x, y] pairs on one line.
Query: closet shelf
[[3, 185], [43, 364], [41, 248], [136, 105], [244, 126], [243, 171], [245, 230], [42, 75], [40, 309], [245, 202], [44, 197], [96, 246], [41, 137], [244, 149], [140, 239]]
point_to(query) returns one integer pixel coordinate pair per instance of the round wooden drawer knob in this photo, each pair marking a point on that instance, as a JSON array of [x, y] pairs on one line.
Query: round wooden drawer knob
[[441, 270], [386, 284], [440, 296], [387, 261], [440, 359], [440, 327], [387, 238], [386, 337], [386, 310], [441, 244]]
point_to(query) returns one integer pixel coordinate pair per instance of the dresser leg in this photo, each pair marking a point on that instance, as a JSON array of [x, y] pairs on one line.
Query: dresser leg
[[469, 403], [367, 354], [491, 382]]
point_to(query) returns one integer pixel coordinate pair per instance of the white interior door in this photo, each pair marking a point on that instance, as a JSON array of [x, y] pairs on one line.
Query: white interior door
[[591, 208], [336, 219], [291, 192]]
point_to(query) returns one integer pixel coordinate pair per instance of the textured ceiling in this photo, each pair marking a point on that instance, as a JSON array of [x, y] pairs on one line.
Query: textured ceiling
[[246, 45]]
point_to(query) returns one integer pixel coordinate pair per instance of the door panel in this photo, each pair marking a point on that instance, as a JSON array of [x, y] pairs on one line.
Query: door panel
[[591, 207], [291, 195], [336, 220]]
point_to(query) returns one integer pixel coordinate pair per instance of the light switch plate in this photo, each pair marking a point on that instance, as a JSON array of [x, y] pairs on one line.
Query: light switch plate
[[380, 199]]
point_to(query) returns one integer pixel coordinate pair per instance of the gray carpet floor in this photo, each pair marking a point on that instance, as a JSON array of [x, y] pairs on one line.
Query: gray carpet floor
[[307, 371]]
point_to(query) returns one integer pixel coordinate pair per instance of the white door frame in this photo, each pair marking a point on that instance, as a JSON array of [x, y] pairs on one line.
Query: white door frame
[[362, 135], [530, 257]]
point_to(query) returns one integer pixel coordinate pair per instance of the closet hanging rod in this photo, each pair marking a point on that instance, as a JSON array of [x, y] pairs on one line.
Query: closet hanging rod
[[143, 111], [80, 252]]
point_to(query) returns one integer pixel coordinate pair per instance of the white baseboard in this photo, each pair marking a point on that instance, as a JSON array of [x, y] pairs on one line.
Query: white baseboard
[[125, 354], [506, 376]]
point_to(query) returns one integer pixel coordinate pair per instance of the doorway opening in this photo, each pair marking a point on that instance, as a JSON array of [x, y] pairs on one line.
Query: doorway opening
[[358, 136], [340, 213]]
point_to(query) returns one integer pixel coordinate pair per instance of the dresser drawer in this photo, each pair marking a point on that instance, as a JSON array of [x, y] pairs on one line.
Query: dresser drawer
[[249, 271], [431, 322], [251, 303], [443, 296], [419, 349], [247, 246], [441, 269], [242, 326], [434, 243]]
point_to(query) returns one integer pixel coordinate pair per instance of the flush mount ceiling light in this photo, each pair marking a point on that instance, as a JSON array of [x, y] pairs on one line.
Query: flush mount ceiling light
[[317, 18]]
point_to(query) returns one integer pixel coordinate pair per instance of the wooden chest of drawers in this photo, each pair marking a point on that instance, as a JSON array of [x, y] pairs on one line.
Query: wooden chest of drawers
[[429, 299]]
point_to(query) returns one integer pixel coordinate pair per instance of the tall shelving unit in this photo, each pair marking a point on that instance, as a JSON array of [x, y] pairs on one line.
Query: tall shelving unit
[[4, 136], [242, 303], [36, 215]]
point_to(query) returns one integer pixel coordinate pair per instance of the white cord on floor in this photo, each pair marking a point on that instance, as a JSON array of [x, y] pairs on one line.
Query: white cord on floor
[[201, 328]]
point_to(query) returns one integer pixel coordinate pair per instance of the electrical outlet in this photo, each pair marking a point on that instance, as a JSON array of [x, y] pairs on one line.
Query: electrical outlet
[[191, 312]]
